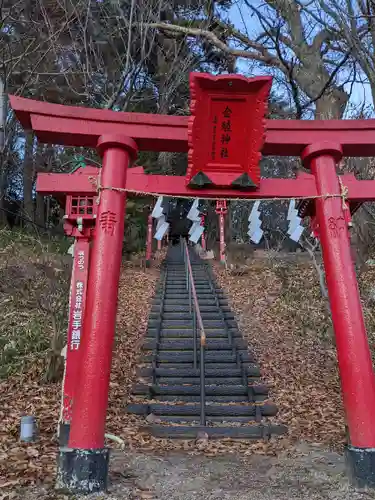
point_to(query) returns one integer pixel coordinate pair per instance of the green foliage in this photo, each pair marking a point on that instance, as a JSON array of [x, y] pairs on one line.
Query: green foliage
[[137, 210], [21, 342], [19, 240], [34, 291]]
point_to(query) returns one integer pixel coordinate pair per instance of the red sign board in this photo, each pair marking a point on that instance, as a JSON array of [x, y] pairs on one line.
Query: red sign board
[[226, 130], [77, 302]]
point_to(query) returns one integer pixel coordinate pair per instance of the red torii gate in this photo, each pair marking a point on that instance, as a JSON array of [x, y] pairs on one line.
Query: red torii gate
[[225, 175]]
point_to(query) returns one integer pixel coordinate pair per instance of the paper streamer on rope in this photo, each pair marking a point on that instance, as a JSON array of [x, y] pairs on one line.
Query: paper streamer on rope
[[295, 229], [158, 208], [193, 213], [162, 226], [255, 232], [196, 232]]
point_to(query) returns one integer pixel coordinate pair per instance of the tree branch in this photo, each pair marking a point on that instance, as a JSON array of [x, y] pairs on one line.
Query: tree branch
[[264, 57]]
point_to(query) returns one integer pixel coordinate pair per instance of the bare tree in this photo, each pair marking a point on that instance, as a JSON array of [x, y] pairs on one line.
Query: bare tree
[[311, 62]]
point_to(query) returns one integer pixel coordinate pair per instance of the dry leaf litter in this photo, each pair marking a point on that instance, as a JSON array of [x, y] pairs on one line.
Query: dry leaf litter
[[280, 312]]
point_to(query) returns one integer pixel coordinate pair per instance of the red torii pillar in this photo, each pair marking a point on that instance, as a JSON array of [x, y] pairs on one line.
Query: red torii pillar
[[86, 454], [355, 364]]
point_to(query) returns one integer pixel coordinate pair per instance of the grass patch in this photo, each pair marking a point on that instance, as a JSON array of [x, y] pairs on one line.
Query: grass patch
[[34, 294]]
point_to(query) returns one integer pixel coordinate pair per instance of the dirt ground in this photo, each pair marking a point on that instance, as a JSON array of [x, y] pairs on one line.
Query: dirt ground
[[307, 472]]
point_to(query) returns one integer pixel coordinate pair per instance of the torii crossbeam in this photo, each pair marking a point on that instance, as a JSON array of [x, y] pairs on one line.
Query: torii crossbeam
[[225, 137]]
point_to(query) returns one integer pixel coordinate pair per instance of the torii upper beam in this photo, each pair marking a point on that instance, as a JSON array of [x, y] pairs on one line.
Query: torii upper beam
[[78, 126]]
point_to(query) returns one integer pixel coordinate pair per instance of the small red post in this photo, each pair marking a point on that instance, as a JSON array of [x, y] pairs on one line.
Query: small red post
[[356, 371], [149, 240], [222, 239], [87, 455], [221, 210], [159, 245], [77, 301], [203, 238]]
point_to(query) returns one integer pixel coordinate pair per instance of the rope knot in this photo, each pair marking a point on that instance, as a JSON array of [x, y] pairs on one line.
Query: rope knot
[[344, 191]]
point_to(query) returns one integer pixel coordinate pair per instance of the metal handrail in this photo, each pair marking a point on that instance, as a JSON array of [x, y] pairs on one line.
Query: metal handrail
[[197, 325], [162, 286]]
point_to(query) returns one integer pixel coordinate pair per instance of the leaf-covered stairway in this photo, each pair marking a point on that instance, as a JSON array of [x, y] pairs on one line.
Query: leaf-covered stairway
[[235, 403]]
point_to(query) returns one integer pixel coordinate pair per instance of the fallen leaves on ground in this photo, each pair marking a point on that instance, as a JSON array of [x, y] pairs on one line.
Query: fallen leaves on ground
[[25, 394], [287, 324]]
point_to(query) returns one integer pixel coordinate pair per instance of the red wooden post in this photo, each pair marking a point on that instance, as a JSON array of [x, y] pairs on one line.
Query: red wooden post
[[79, 222], [86, 450], [149, 240], [222, 239], [356, 371], [77, 301], [203, 238], [221, 210]]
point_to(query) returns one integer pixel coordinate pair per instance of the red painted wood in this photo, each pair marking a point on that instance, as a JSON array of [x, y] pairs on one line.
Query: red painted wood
[[90, 405], [149, 239], [138, 181], [203, 237], [226, 127], [82, 127], [356, 371], [221, 209], [222, 237], [77, 301], [78, 126]]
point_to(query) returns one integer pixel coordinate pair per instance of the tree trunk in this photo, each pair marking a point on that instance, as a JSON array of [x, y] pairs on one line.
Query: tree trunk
[[40, 212], [3, 180], [331, 105], [28, 178]]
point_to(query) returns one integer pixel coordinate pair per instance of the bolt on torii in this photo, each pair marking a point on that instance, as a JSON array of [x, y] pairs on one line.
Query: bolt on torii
[[225, 137]]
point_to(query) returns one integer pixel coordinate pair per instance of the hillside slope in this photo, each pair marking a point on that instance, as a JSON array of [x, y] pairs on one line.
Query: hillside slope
[[287, 324]]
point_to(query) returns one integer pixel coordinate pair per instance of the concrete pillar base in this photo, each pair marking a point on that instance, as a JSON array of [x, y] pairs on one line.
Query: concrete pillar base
[[82, 471], [361, 466]]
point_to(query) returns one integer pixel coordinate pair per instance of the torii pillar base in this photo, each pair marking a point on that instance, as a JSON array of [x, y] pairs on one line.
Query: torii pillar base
[[360, 463], [82, 471]]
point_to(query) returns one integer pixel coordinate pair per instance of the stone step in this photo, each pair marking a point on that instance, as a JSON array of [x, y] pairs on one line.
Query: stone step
[[167, 334], [187, 316], [188, 345], [239, 410], [225, 380], [258, 431], [184, 323], [194, 390], [188, 357], [184, 308], [184, 371]]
